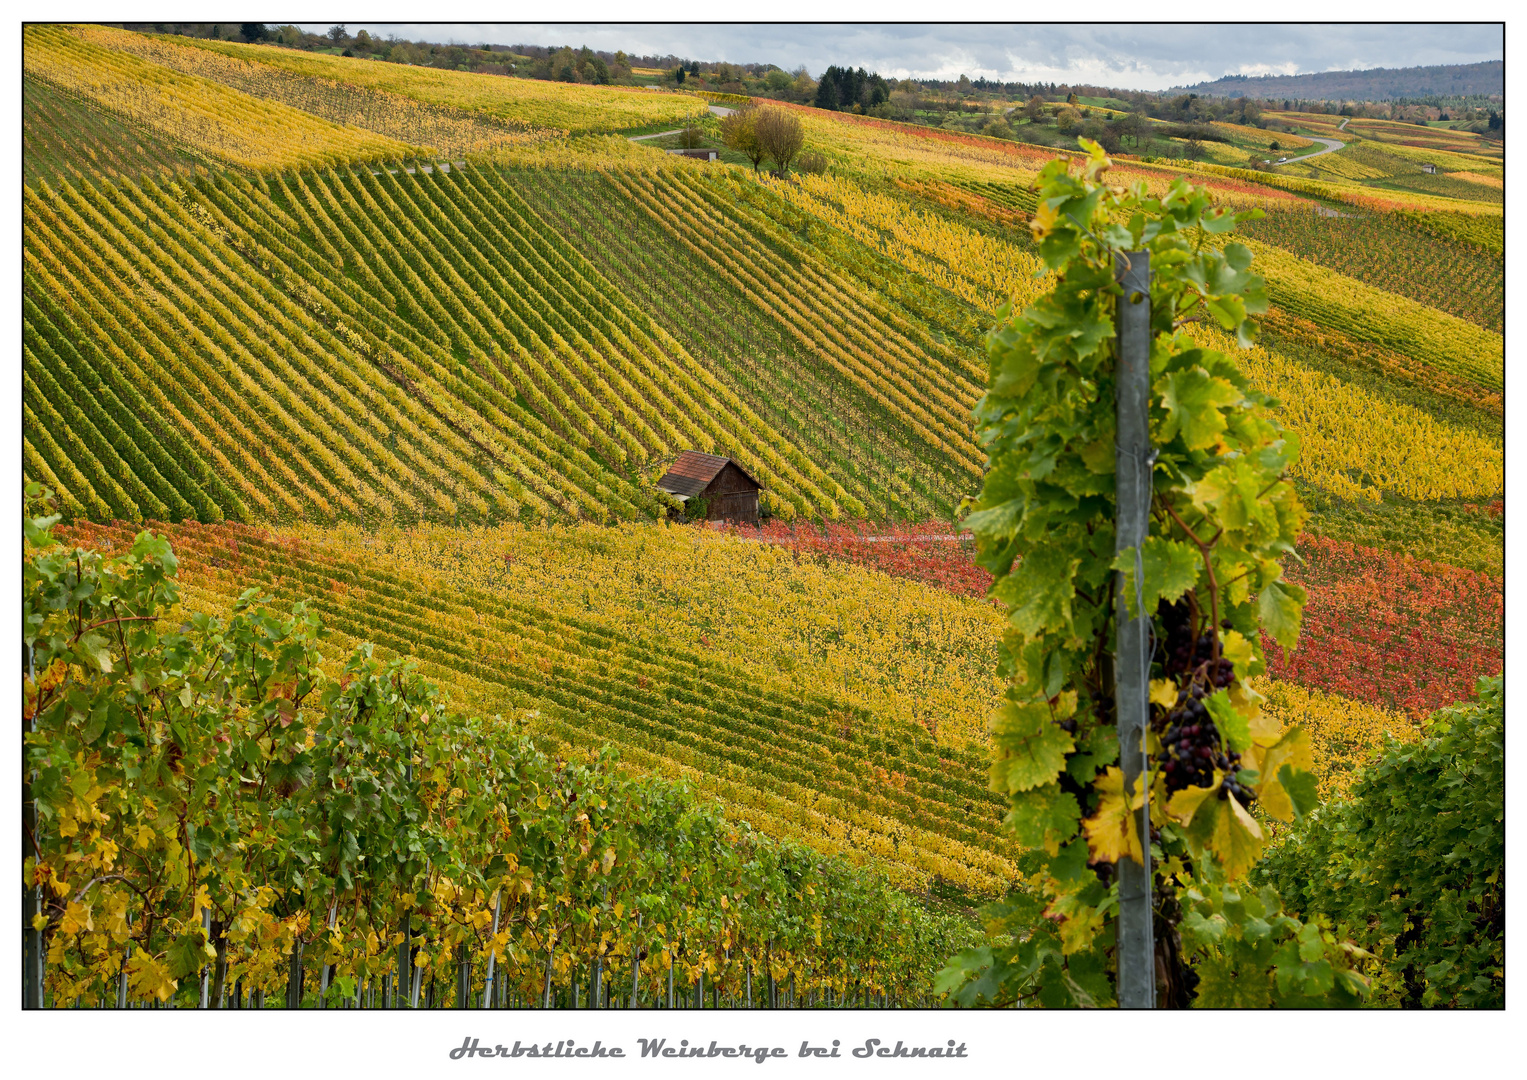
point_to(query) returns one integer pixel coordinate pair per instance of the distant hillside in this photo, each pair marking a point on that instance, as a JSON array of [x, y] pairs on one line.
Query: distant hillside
[[1374, 84]]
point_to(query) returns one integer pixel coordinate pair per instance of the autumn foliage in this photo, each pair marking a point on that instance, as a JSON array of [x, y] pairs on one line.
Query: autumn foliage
[[1392, 630], [930, 552]]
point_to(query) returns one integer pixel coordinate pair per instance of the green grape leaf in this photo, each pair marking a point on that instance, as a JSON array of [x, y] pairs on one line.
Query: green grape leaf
[[1230, 721], [1302, 788], [1040, 817], [1170, 569], [1194, 401], [1281, 608], [1039, 591], [1030, 748]]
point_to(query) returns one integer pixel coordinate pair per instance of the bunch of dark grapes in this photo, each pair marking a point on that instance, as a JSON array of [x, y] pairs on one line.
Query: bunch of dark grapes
[[1190, 746], [1183, 653]]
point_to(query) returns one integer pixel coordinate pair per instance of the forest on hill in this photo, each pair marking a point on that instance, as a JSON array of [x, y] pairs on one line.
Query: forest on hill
[[370, 666], [1486, 79]]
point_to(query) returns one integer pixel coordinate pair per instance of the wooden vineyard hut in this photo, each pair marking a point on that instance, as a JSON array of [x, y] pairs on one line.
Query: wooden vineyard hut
[[724, 487]]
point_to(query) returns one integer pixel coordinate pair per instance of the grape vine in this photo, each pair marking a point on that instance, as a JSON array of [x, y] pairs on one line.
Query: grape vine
[[225, 818], [1223, 513]]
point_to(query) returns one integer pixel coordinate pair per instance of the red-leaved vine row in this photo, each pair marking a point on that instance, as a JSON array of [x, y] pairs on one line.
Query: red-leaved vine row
[[1382, 628], [931, 552]]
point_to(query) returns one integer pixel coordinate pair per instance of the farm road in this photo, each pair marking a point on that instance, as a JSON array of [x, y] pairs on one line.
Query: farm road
[[1331, 145], [717, 109]]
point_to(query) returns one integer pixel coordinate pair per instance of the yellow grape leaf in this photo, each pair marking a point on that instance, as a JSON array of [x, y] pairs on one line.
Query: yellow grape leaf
[[203, 900], [1184, 804], [1294, 750], [1265, 728], [39, 922], [77, 918], [1112, 832], [1079, 923], [149, 977], [1237, 839], [1163, 693], [607, 863], [1045, 217], [1238, 649], [115, 921]]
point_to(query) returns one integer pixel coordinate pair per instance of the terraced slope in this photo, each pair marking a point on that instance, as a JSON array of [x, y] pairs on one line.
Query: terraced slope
[[64, 138], [813, 764], [418, 345]]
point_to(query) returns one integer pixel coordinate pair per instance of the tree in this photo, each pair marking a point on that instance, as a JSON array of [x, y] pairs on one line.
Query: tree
[[827, 90], [781, 137], [336, 34], [739, 131], [253, 32], [1035, 108], [678, 75]]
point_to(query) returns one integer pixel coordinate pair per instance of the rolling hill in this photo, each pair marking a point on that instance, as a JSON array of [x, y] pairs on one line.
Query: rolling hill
[[415, 345]]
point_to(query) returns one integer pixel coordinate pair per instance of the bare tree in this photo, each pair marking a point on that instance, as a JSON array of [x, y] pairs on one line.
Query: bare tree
[[336, 34], [739, 130], [781, 137]]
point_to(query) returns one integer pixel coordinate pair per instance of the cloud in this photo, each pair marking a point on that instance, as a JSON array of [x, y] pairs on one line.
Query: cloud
[[1135, 57]]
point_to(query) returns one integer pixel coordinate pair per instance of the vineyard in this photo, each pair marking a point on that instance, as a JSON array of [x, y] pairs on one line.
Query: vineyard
[[407, 350]]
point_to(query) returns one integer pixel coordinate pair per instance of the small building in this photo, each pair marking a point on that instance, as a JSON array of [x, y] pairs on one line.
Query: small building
[[702, 154], [727, 490]]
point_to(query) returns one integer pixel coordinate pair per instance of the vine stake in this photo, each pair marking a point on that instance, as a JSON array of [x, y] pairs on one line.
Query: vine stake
[[1134, 461]]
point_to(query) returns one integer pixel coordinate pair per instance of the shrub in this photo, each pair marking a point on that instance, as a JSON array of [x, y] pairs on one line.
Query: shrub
[[811, 162], [1414, 863]]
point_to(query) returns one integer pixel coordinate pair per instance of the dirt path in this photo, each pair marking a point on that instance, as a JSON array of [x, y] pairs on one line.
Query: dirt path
[[445, 167], [718, 110]]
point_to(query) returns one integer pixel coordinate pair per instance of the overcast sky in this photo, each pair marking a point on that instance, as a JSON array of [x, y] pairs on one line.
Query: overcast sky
[[1131, 57]]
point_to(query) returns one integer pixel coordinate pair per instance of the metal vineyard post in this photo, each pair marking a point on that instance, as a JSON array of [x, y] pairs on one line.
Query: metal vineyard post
[[1134, 462]]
